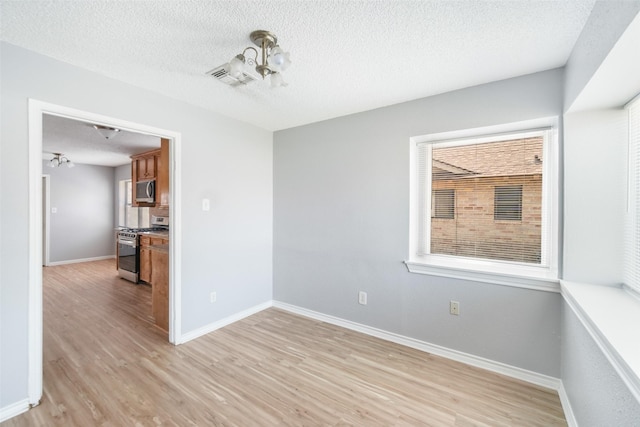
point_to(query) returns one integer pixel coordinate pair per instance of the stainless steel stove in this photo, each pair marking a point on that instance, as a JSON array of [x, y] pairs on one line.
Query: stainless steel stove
[[129, 250]]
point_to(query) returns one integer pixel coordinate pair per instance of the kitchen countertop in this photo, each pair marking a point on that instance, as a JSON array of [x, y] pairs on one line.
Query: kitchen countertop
[[163, 234]]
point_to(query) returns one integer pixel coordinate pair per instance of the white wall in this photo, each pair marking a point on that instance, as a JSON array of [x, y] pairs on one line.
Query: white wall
[[82, 226], [595, 162], [595, 176], [227, 249], [341, 209]]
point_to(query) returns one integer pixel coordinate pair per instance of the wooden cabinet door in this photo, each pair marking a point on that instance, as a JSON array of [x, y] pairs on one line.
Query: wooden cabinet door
[[162, 179], [146, 167], [145, 259], [160, 292]]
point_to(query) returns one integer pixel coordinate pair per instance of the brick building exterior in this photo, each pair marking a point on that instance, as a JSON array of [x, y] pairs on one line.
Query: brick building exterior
[[487, 199]]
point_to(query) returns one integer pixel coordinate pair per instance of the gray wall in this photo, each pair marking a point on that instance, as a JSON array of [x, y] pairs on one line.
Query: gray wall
[[598, 395], [82, 227], [605, 25], [341, 209], [227, 249], [595, 164]]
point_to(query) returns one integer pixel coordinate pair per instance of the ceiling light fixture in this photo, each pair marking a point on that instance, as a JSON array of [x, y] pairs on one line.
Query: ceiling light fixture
[[270, 61], [106, 131], [58, 160]]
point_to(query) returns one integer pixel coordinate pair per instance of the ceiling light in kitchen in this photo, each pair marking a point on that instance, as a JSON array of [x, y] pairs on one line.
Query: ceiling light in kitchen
[[106, 131], [58, 160]]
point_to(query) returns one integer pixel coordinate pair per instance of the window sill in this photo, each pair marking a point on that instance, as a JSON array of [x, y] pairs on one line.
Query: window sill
[[528, 278], [611, 315]]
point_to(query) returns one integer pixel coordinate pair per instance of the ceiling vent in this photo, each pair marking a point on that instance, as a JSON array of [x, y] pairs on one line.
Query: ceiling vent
[[221, 73]]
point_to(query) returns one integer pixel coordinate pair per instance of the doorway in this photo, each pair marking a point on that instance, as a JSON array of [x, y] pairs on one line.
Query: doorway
[[37, 110]]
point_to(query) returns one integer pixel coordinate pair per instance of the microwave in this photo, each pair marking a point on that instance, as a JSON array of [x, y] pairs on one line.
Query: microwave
[[146, 191]]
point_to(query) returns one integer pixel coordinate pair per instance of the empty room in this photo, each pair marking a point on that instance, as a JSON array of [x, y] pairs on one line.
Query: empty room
[[341, 212]]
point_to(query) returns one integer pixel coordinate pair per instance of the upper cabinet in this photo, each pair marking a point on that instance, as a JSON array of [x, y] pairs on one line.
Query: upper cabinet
[[145, 166], [151, 165], [162, 180]]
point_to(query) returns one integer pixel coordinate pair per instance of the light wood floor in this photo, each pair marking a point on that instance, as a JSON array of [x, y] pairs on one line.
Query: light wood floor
[[106, 364]]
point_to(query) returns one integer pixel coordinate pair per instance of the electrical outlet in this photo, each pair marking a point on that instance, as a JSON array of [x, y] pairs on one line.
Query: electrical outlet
[[454, 308], [362, 298], [212, 297]]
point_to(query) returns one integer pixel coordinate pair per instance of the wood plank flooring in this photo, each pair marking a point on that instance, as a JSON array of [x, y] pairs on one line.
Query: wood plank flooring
[[106, 364]]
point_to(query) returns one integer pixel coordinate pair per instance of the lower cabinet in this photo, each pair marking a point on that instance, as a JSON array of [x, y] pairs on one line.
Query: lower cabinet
[[145, 255], [160, 288], [154, 269]]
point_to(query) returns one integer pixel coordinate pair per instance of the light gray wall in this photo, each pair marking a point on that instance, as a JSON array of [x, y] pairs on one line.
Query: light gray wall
[[595, 178], [598, 395], [341, 209], [605, 25], [595, 163], [121, 172], [83, 197], [227, 249]]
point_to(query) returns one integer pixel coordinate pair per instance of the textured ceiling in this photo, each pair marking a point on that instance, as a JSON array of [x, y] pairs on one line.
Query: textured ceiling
[[81, 143], [347, 56]]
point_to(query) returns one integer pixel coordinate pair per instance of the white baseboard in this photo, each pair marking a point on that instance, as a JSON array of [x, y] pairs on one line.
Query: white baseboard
[[469, 359], [566, 406], [76, 261], [14, 409], [223, 322]]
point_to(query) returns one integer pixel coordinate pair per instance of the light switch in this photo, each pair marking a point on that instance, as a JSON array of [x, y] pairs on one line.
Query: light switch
[[205, 204], [54, 210]]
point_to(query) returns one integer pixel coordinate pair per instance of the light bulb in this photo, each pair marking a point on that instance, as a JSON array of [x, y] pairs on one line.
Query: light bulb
[[236, 66], [276, 80], [278, 60]]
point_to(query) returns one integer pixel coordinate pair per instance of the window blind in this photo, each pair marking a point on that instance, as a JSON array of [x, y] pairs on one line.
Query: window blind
[[483, 199], [632, 220]]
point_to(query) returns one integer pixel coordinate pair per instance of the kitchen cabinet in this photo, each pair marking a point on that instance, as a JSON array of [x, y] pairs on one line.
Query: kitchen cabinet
[[153, 165], [162, 180], [146, 262], [160, 285], [145, 165]]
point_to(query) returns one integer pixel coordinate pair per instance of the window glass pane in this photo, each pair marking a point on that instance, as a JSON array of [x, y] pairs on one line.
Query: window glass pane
[[507, 204], [443, 204], [490, 194]]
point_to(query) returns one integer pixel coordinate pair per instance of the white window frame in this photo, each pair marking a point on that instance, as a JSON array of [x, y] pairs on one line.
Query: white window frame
[[541, 277]]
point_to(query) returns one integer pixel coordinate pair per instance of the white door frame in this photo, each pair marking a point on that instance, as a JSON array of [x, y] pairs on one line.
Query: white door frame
[[36, 111], [46, 218]]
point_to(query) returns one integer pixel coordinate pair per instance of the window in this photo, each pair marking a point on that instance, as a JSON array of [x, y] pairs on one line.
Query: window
[[632, 218], [486, 205], [443, 204], [126, 214], [507, 203]]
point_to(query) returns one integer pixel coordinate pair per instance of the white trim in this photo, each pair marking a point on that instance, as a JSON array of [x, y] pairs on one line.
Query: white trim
[[542, 277], [469, 359], [46, 192], [36, 111], [608, 313], [34, 328], [76, 261], [14, 409], [528, 282], [224, 322], [566, 407]]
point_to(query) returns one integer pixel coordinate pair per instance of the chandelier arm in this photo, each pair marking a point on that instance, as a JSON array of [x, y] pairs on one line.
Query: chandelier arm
[[254, 51]]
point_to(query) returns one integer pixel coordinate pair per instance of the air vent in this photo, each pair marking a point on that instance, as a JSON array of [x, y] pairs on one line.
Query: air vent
[[221, 74]]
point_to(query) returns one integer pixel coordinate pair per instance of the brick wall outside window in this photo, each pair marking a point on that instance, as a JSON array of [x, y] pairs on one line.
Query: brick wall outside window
[[474, 172]]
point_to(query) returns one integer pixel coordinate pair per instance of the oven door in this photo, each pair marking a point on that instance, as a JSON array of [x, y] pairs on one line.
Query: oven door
[[128, 263]]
